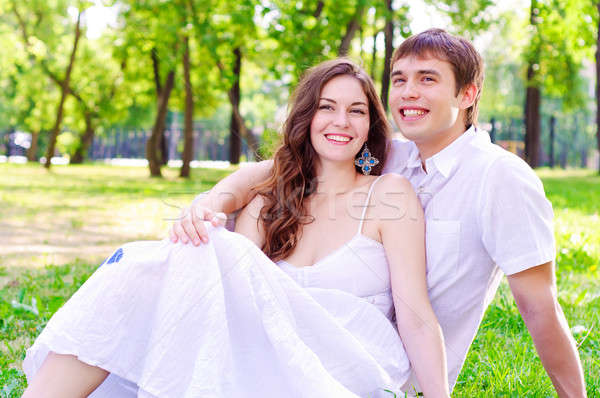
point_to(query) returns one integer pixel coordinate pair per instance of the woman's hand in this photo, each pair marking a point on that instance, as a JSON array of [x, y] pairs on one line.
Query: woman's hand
[[229, 195], [190, 225]]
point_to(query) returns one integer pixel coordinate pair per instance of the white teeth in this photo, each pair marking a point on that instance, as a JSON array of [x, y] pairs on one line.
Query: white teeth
[[413, 112], [340, 138]]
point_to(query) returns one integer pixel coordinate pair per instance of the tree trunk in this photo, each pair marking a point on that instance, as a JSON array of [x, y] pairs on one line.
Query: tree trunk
[[235, 125], [361, 37], [32, 150], [552, 139], [163, 147], [598, 85], [156, 70], [86, 141], [389, 49], [318, 9], [351, 29], [532, 103], [532, 125], [64, 88], [374, 55], [188, 130], [161, 140], [154, 144]]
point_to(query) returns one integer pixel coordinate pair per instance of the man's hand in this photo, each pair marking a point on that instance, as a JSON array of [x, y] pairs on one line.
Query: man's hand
[[190, 226]]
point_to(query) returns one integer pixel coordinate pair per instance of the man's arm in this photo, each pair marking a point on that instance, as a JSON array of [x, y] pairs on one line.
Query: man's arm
[[228, 195], [536, 296]]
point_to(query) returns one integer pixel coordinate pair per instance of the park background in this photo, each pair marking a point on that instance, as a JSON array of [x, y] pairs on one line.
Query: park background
[[114, 114]]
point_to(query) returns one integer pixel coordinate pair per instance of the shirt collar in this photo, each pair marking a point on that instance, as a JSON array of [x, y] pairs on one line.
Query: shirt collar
[[414, 160], [445, 160]]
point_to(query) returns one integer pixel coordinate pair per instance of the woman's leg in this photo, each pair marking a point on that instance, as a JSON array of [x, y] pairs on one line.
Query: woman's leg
[[64, 376]]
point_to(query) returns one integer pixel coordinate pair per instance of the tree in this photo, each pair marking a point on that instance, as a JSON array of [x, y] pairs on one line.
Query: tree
[[155, 146], [388, 33], [36, 29], [27, 96], [469, 17], [554, 58], [309, 32], [97, 86], [152, 35], [533, 94], [228, 34], [504, 89], [188, 134], [353, 26]]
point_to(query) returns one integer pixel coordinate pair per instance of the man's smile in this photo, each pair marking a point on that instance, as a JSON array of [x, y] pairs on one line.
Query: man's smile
[[412, 113]]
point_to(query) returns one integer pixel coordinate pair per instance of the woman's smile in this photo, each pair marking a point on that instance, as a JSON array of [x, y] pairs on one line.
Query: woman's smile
[[338, 139]]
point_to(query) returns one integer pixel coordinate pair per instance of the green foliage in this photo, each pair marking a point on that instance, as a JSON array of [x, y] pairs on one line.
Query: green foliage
[[504, 89], [66, 142], [27, 98], [114, 80], [559, 39], [307, 32], [469, 17]]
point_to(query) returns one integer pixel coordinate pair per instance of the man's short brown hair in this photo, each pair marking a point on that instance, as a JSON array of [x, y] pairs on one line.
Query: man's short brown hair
[[466, 62]]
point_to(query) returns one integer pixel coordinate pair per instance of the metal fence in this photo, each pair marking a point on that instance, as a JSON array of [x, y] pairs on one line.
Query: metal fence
[[569, 145], [563, 143], [131, 143]]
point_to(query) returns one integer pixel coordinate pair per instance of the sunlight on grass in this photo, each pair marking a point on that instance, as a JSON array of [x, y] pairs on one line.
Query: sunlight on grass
[[82, 212]]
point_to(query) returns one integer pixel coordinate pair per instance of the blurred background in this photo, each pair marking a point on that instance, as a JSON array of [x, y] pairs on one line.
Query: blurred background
[[183, 82]]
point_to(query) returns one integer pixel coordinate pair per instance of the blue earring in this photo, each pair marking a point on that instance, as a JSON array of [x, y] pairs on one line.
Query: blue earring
[[366, 161]]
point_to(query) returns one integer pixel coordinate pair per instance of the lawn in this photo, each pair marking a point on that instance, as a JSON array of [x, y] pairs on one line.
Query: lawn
[[56, 227]]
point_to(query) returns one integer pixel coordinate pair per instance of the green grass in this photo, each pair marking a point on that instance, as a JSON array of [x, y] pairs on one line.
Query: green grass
[[83, 212], [102, 206]]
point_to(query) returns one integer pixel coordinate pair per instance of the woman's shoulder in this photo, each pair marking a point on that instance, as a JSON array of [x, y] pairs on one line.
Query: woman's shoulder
[[389, 180], [392, 196], [392, 182]]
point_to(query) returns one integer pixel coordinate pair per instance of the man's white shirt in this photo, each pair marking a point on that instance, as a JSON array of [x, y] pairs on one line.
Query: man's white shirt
[[485, 214]]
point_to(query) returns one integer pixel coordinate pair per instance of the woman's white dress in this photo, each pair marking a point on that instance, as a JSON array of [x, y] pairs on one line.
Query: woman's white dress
[[223, 320]]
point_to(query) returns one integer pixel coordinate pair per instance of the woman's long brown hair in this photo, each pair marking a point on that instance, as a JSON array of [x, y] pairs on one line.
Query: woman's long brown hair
[[294, 179]]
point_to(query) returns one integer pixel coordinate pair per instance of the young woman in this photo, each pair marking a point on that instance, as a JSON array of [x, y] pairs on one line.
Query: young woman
[[334, 305]]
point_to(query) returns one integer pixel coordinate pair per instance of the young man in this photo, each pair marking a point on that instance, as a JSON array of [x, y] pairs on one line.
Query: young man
[[486, 211]]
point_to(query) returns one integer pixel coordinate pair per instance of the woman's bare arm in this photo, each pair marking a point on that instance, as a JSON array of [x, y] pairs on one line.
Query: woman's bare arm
[[248, 224], [402, 229], [228, 195]]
